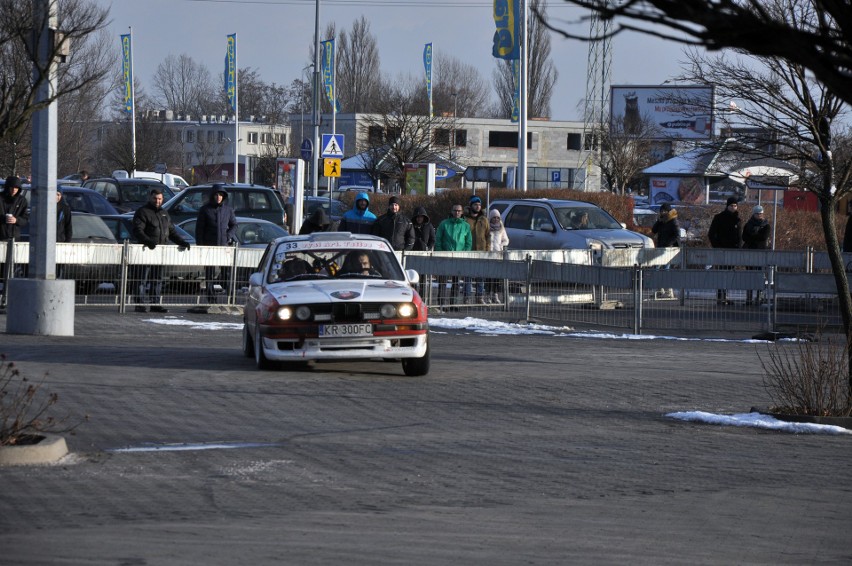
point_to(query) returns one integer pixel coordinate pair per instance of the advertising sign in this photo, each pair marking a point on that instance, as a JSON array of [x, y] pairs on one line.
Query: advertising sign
[[682, 112], [420, 178]]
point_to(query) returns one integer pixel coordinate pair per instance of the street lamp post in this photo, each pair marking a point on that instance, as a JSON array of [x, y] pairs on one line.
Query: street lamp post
[[455, 108]]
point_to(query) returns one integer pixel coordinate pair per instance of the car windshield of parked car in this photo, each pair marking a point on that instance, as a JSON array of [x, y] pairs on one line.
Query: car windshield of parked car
[[359, 259], [585, 218], [90, 228], [139, 194]]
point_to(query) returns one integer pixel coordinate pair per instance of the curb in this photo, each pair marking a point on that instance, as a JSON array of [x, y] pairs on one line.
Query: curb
[[49, 450]]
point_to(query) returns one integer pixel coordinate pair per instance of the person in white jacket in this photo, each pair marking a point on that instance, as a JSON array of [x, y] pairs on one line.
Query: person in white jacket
[[499, 241]]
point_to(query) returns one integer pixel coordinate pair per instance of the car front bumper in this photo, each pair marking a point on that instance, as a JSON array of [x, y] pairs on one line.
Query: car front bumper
[[278, 346]]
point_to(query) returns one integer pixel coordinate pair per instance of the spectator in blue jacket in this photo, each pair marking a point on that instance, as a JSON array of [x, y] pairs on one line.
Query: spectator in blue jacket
[[359, 219]]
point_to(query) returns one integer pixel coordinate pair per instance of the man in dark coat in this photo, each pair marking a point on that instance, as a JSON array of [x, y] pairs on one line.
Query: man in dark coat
[[216, 225], [13, 209], [318, 221], [395, 227], [64, 229], [725, 232], [756, 234], [424, 231], [152, 227], [667, 227]]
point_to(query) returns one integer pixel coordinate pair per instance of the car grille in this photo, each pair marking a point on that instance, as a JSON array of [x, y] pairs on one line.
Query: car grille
[[627, 246], [346, 312]]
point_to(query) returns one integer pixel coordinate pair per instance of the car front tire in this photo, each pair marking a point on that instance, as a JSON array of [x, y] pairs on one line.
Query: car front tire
[[248, 343], [259, 357], [416, 367]]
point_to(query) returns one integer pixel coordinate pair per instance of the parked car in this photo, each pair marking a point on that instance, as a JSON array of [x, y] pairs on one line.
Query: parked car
[[90, 229], [254, 201], [334, 296], [121, 227], [126, 195], [334, 208], [251, 232], [544, 224], [80, 199]]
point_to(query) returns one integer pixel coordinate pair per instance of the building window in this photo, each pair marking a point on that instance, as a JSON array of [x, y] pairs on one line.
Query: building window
[[264, 138], [190, 136], [461, 138], [281, 139], [442, 136], [209, 136], [221, 136], [375, 135], [575, 142], [252, 138], [507, 139]]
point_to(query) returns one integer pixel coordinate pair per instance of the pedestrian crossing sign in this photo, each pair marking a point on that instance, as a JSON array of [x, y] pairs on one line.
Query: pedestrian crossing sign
[[331, 167], [332, 145]]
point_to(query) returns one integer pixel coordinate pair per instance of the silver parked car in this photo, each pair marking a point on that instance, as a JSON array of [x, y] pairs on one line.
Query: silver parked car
[[545, 224]]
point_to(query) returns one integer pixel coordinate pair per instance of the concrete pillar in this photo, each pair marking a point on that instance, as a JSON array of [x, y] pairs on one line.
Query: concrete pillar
[[40, 307]]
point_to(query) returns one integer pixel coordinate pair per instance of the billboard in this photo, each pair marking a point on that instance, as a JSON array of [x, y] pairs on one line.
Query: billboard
[[676, 112]]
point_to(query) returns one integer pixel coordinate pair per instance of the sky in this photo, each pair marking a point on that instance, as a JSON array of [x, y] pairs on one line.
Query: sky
[[490, 328], [273, 36]]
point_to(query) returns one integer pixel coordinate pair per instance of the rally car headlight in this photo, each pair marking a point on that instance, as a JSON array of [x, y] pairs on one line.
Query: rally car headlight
[[406, 310], [303, 313], [285, 313], [388, 311]]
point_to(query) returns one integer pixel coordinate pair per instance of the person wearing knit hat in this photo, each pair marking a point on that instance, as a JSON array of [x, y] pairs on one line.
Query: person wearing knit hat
[[667, 230], [756, 234], [395, 227], [726, 232], [13, 209], [481, 233]]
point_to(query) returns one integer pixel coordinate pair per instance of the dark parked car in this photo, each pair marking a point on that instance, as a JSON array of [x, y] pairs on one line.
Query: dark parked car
[[334, 210], [126, 195], [89, 277], [254, 201], [251, 232], [80, 199]]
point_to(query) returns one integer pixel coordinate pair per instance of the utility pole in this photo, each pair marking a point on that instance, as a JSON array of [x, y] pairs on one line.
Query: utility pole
[[316, 113]]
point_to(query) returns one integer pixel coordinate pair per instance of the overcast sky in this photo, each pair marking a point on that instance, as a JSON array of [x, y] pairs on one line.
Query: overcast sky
[[274, 36]]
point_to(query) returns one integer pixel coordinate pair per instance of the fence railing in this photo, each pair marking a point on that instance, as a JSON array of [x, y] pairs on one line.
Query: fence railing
[[688, 290]]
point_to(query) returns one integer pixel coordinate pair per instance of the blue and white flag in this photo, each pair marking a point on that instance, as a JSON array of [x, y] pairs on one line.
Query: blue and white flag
[[427, 64], [516, 89], [127, 69], [231, 71]]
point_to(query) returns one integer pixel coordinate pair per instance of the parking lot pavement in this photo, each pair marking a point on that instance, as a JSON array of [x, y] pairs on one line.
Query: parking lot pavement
[[514, 449]]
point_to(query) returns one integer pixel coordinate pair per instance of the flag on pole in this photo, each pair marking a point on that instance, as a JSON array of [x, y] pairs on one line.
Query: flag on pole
[[516, 89], [231, 71], [507, 18], [127, 68], [427, 64], [328, 71]]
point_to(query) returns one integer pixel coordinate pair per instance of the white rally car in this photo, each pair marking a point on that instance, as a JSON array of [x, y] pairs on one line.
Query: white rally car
[[334, 296]]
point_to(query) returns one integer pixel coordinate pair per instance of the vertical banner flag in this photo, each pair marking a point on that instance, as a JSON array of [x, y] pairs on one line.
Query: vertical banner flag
[[231, 71], [127, 68], [427, 63], [327, 67], [506, 38], [516, 89]]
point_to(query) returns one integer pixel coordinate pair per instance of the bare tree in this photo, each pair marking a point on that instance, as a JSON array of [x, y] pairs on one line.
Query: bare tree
[[358, 68], [401, 132], [626, 151], [79, 20], [541, 71], [818, 42], [458, 88], [182, 85]]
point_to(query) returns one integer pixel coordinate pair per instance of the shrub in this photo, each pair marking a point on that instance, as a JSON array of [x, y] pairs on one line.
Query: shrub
[[25, 407], [809, 378]]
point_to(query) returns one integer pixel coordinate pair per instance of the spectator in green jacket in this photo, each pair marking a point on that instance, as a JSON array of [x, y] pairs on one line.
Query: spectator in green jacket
[[453, 235]]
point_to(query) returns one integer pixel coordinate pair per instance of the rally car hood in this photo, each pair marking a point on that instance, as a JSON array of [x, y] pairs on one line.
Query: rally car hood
[[371, 291]]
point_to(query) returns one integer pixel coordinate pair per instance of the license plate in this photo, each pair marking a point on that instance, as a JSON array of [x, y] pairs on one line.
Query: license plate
[[342, 330]]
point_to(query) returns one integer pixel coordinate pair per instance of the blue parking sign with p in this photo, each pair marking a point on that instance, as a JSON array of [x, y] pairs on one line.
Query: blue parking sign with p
[[556, 176]]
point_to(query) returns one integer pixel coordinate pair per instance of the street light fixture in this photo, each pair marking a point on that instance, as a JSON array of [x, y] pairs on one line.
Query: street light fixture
[[455, 108]]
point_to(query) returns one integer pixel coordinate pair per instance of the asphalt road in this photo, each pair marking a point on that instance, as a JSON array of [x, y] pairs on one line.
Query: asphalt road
[[514, 450]]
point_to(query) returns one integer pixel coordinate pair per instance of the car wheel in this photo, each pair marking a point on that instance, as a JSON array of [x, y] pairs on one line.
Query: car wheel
[[248, 344], [415, 367], [259, 357]]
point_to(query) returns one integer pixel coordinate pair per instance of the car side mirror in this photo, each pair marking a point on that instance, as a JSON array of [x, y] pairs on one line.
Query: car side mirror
[[547, 227], [256, 279], [413, 276]]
